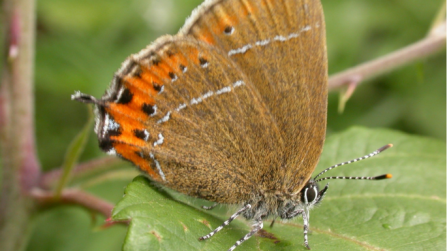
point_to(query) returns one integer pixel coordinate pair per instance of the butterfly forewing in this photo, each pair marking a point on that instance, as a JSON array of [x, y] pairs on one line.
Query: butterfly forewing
[[264, 38]]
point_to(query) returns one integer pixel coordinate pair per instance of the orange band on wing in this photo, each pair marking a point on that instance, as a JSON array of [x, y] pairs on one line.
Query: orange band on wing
[[130, 153], [144, 83], [122, 112]]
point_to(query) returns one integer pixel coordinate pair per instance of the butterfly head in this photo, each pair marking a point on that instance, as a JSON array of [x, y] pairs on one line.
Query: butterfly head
[[311, 195]]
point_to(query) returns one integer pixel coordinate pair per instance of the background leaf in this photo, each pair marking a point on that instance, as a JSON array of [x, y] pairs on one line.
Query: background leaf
[[406, 212]]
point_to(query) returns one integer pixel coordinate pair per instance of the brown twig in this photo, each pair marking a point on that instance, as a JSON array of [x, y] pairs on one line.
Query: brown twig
[[75, 197], [434, 42]]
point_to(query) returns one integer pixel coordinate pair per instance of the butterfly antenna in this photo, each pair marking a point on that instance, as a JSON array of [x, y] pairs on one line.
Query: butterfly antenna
[[380, 177]]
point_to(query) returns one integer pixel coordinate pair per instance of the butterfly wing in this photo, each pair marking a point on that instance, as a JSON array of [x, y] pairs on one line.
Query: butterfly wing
[[280, 45], [186, 115]]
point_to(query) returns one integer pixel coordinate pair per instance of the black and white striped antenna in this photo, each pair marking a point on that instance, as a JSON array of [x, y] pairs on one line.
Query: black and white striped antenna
[[380, 177]]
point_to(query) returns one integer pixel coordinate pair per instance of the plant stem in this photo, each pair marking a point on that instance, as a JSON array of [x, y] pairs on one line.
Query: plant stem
[[20, 167], [75, 197], [434, 42]]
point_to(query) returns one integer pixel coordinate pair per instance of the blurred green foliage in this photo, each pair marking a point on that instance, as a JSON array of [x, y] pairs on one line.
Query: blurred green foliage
[[81, 43]]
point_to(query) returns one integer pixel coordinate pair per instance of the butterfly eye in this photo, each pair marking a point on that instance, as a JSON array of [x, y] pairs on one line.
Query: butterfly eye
[[310, 194]]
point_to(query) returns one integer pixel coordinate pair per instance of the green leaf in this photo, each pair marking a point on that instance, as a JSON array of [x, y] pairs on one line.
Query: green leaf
[[73, 152], [406, 212]]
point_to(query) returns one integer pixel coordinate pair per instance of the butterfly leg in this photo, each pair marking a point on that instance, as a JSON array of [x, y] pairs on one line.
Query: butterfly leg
[[258, 225], [306, 228], [305, 216], [210, 207], [234, 216]]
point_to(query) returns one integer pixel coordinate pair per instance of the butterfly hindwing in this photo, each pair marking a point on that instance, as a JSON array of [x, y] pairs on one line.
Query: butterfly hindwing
[[190, 115]]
